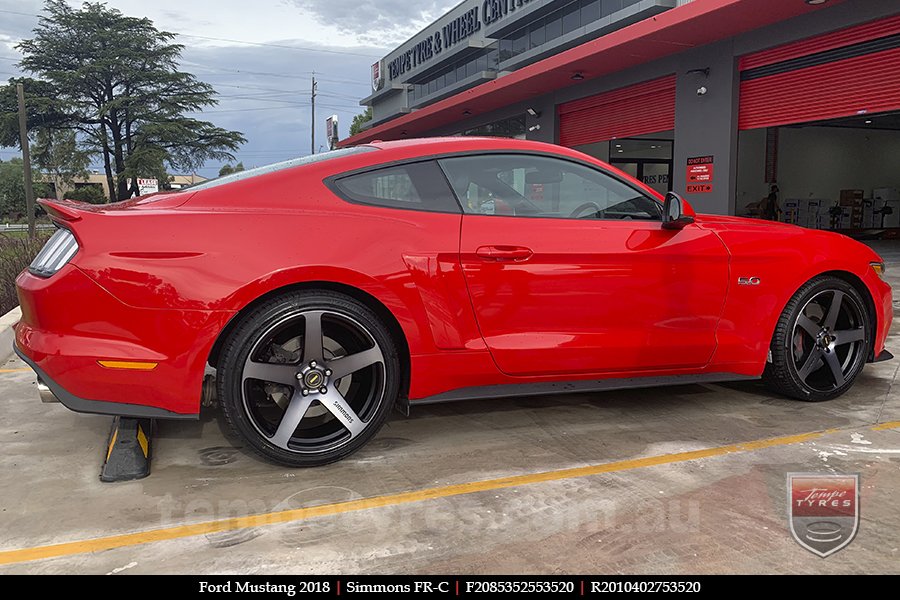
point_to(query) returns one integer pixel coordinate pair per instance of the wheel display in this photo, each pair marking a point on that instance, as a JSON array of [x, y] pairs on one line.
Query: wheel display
[[821, 341], [308, 377]]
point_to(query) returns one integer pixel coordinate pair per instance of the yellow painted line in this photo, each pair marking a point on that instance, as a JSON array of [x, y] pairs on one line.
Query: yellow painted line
[[888, 425], [19, 370], [300, 514], [133, 365]]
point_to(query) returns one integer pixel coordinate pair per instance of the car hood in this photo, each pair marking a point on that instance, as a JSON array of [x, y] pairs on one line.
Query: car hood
[[729, 222]]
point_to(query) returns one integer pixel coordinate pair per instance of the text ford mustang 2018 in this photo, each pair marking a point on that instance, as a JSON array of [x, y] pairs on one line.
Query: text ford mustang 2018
[[327, 289]]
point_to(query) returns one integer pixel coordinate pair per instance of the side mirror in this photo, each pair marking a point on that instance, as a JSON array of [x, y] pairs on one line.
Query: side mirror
[[674, 214]]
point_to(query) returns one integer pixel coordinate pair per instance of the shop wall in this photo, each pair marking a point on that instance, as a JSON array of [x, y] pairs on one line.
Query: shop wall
[[705, 124]]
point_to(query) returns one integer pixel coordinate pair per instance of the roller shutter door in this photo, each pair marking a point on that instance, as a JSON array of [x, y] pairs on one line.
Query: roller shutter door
[[851, 72], [646, 107]]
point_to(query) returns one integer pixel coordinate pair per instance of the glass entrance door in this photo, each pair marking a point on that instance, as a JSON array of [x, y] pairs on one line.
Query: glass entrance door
[[649, 161]]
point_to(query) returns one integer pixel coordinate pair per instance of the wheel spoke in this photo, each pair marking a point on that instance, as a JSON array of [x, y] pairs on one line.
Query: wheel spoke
[[312, 337], [273, 372], [834, 310], [835, 365], [813, 363], [847, 336], [342, 411], [341, 367], [808, 325], [295, 412]]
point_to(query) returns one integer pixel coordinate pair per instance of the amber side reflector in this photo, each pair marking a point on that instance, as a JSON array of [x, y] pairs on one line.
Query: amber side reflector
[[127, 364]]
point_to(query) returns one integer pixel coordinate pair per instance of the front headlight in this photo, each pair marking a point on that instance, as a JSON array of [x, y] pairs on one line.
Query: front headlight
[[879, 268]]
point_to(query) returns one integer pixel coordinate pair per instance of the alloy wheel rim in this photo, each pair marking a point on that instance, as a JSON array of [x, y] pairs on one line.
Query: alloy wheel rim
[[312, 381], [828, 341]]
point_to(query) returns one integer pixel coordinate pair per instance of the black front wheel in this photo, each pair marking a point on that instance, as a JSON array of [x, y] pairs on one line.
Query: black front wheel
[[308, 378], [821, 341]]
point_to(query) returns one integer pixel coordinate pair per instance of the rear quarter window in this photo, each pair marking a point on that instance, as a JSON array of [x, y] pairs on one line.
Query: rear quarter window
[[414, 186]]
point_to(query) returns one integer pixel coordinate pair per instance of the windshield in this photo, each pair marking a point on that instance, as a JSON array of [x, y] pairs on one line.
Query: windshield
[[288, 164]]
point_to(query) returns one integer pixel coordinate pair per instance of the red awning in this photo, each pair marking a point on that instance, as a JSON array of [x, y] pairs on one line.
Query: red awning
[[694, 24]]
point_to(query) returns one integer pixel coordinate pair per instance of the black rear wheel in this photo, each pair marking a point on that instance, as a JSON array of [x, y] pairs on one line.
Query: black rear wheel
[[308, 378], [821, 341]]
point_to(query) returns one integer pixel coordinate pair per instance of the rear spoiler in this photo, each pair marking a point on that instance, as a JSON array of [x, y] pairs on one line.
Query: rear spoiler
[[65, 210]]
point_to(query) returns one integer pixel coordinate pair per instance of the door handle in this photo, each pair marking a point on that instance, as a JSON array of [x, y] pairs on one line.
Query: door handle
[[505, 253]]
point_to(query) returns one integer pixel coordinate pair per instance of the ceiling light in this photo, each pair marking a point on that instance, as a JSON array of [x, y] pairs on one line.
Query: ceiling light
[[577, 76], [467, 112], [868, 121], [816, 2], [654, 147], [621, 151], [618, 145]]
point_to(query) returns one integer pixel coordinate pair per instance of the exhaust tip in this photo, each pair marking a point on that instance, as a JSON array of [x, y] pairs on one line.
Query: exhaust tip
[[45, 393]]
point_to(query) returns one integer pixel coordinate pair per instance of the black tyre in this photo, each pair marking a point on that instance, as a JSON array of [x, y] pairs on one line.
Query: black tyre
[[821, 341], [308, 378]]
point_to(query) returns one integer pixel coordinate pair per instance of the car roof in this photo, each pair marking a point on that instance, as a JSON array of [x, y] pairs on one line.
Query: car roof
[[457, 143]]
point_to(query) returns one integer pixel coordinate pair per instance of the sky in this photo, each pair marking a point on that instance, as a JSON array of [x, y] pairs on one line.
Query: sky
[[262, 59]]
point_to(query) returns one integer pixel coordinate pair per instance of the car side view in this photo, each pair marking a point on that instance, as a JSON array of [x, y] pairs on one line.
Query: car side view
[[327, 290]]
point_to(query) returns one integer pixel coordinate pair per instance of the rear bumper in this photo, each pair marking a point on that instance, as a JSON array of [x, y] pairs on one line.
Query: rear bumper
[[69, 323], [51, 391]]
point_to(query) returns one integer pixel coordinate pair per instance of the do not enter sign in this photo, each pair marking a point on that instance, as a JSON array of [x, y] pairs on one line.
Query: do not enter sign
[[700, 174]]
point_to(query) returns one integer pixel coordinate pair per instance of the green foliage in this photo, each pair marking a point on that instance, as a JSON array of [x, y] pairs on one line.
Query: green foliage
[[12, 190], [360, 120], [92, 193], [228, 169], [41, 110], [114, 80], [57, 155]]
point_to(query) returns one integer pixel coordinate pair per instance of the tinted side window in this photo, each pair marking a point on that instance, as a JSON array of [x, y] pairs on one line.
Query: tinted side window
[[415, 186], [523, 185]]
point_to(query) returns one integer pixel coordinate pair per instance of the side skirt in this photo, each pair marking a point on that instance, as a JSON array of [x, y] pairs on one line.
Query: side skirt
[[573, 387]]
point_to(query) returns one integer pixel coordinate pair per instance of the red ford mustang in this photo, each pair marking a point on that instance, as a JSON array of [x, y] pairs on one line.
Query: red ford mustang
[[328, 289]]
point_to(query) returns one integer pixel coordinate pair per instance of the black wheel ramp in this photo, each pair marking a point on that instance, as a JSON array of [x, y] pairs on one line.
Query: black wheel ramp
[[128, 450]]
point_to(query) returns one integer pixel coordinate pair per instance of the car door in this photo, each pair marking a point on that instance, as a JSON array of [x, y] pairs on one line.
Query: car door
[[570, 272]]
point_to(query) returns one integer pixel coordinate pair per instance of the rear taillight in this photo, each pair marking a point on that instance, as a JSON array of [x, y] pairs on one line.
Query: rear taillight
[[58, 250]]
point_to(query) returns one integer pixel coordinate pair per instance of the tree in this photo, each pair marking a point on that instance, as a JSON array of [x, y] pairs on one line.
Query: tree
[[227, 169], [359, 120], [57, 155], [115, 81], [12, 189], [92, 193]]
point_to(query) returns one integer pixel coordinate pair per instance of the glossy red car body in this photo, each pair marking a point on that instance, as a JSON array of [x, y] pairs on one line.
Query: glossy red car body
[[160, 278]]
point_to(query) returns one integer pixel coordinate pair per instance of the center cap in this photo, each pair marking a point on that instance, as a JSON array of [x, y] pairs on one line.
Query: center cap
[[314, 379]]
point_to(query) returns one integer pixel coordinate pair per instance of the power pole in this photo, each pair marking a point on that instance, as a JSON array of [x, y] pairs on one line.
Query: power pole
[[26, 158], [312, 104]]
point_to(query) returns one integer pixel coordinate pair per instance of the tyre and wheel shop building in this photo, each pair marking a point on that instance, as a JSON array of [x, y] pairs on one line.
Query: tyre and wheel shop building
[[718, 100]]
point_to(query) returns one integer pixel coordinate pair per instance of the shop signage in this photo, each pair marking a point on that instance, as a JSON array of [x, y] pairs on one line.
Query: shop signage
[[486, 12], [378, 75], [700, 174]]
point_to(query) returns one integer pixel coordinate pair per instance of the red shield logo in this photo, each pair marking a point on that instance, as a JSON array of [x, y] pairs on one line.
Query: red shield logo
[[823, 510]]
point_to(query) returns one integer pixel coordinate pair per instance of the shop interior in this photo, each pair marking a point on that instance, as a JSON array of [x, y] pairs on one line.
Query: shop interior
[[839, 174]]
